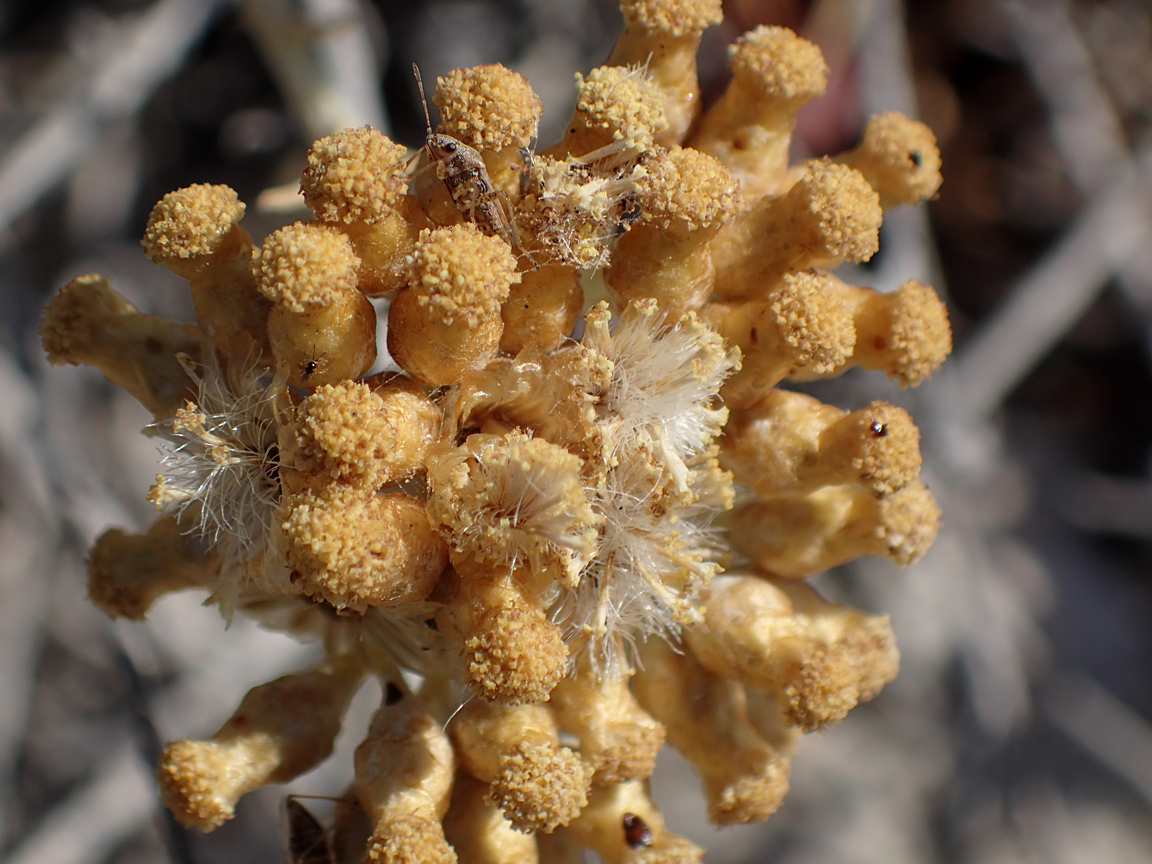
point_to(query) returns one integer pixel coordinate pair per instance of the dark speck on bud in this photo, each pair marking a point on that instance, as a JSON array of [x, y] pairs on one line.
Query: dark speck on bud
[[637, 834]]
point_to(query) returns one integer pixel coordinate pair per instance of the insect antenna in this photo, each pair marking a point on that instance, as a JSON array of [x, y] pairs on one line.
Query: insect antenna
[[423, 99]]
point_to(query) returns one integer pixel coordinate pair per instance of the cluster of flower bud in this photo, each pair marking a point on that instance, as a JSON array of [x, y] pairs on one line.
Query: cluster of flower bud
[[579, 528]]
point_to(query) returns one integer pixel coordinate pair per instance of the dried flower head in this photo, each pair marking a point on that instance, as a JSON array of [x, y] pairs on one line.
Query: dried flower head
[[598, 528]]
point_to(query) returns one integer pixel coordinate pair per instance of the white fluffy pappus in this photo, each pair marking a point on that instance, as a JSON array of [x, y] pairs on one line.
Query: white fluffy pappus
[[514, 498], [664, 385], [662, 487], [220, 470]]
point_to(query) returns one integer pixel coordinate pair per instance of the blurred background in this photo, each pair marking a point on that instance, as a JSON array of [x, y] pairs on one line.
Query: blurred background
[[1018, 730]]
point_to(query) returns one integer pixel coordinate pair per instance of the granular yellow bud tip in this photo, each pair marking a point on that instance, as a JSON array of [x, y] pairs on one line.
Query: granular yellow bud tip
[[190, 223], [357, 175], [487, 107]]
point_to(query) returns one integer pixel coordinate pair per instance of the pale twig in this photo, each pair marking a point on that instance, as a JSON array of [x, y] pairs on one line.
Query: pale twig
[[323, 60], [1052, 295], [1087, 130], [121, 796], [967, 578], [94, 820], [1116, 505], [1090, 137], [150, 746], [1105, 727], [1086, 127], [127, 71], [29, 546], [29, 535]]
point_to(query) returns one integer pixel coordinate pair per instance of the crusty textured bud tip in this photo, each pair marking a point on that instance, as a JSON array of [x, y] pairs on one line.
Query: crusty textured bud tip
[[192, 783], [304, 266], [487, 107], [88, 322], [789, 444], [685, 190], [447, 321], [461, 272], [899, 158], [515, 655], [357, 175], [617, 108], [281, 729], [322, 329], [904, 334], [355, 550], [540, 787], [673, 17], [127, 572], [191, 223], [352, 433], [845, 208], [778, 65]]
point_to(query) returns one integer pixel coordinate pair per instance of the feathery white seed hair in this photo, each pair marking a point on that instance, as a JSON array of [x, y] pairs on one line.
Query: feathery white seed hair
[[220, 464]]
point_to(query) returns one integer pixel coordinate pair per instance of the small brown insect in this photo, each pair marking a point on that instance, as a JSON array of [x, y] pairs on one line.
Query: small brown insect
[[463, 171], [308, 841], [310, 366], [637, 834], [878, 429]]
